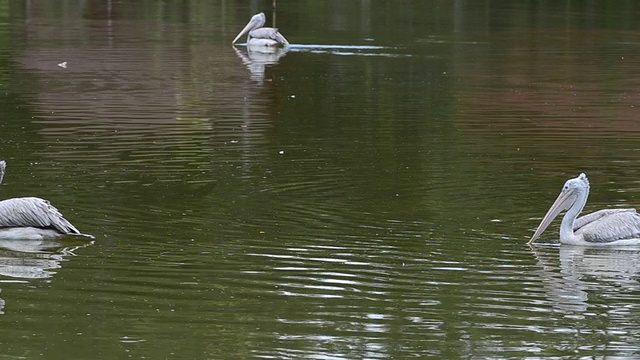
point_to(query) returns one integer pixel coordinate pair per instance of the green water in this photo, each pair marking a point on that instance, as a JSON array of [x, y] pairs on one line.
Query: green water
[[366, 194]]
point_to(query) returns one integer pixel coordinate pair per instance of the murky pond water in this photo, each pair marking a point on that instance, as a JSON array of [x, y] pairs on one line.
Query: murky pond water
[[366, 194]]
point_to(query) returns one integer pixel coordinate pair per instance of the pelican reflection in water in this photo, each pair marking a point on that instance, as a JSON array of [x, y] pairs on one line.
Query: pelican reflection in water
[[32, 218], [604, 227], [574, 277], [261, 36], [257, 61]]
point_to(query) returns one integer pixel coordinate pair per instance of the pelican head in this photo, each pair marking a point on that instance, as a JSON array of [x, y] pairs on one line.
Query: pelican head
[[256, 22], [573, 196]]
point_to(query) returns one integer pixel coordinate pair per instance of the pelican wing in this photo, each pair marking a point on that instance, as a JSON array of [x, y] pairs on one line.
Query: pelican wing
[[33, 212], [614, 224], [269, 33], [589, 218]]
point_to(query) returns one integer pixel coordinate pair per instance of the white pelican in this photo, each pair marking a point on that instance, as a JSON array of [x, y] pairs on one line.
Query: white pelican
[[603, 227], [261, 36], [32, 218]]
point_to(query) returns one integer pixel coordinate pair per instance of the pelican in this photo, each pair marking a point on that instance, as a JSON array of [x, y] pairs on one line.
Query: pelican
[[261, 36], [32, 218], [603, 227]]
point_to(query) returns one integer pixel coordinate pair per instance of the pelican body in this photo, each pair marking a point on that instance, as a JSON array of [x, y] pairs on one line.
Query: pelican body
[[609, 227], [32, 218], [261, 36]]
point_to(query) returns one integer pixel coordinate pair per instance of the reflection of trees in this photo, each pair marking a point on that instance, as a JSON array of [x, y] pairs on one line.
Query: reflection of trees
[[133, 94], [468, 59], [120, 90], [159, 91], [335, 21]]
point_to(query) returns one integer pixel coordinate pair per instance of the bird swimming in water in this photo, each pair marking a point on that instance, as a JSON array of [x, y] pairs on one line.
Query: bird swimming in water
[[609, 227], [32, 218], [261, 36]]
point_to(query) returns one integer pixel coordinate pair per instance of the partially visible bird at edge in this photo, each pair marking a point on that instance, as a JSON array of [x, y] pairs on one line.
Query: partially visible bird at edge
[[32, 218], [609, 227], [261, 36]]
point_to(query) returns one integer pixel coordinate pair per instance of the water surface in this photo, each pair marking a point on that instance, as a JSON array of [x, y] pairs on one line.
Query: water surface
[[367, 193]]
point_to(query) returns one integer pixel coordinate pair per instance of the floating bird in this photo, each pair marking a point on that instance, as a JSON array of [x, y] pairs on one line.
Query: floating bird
[[32, 218], [603, 227], [261, 36]]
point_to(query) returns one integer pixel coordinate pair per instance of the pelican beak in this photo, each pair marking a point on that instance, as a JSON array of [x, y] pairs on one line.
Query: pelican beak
[[564, 201], [252, 24]]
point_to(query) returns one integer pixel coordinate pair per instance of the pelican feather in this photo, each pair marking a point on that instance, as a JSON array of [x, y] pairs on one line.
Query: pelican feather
[[603, 227], [32, 218], [257, 35]]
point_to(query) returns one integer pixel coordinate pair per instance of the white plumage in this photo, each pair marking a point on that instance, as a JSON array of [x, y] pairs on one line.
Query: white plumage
[[603, 227], [32, 218], [261, 36], [611, 226]]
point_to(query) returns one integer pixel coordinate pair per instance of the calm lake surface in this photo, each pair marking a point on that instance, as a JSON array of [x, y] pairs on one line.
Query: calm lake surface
[[366, 194]]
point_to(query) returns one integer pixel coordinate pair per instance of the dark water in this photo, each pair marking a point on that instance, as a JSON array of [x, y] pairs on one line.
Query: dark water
[[366, 194]]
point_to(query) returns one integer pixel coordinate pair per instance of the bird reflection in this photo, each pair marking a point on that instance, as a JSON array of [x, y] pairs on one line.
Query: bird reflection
[[34, 259], [256, 60], [581, 271]]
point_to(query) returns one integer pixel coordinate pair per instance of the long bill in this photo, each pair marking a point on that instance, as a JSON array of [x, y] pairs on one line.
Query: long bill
[[250, 26], [564, 201]]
